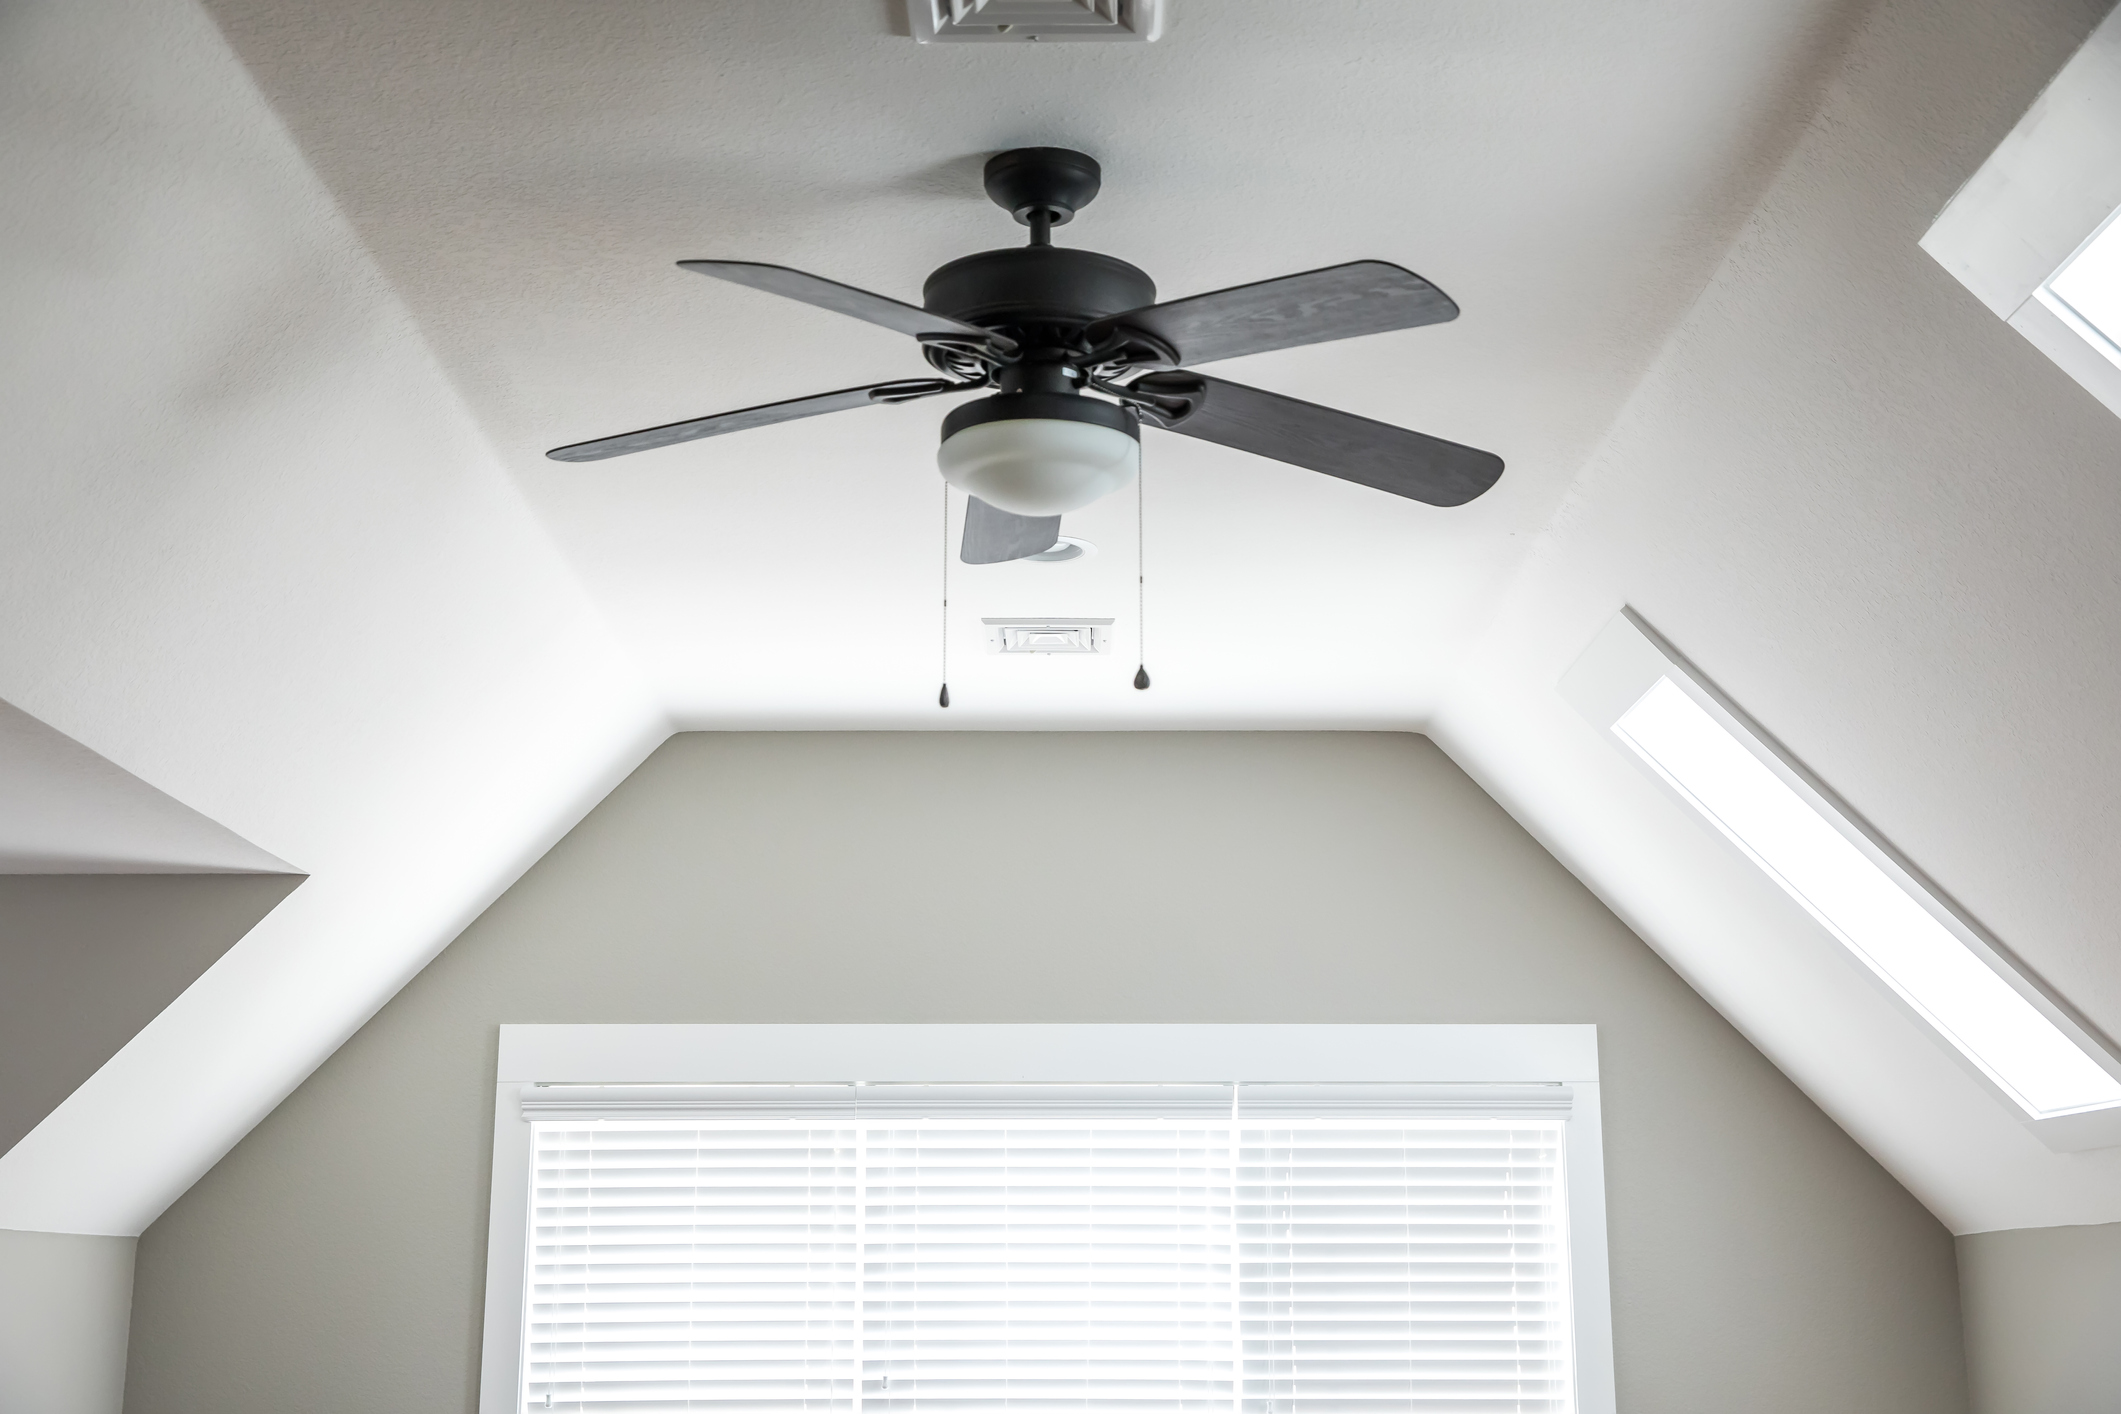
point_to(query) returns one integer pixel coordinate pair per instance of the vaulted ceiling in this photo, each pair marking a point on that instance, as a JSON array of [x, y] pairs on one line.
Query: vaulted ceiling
[[301, 296]]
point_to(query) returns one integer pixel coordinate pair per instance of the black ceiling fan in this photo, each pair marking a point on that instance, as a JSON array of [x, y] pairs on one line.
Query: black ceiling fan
[[1078, 354]]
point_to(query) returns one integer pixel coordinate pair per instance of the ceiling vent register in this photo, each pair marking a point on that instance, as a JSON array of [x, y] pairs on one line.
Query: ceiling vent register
[[1048, 635], [1021, 21]]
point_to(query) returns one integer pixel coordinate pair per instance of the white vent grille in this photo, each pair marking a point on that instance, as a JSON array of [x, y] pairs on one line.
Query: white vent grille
[[1048, 635], [1022, 21]]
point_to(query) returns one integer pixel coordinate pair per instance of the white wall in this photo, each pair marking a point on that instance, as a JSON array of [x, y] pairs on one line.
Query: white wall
[[254, 551], [2043, 1319], [65, 1301], [334, 1260]]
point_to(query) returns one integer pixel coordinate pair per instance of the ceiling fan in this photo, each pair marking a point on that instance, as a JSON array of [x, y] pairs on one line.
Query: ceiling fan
[[1079, 354]]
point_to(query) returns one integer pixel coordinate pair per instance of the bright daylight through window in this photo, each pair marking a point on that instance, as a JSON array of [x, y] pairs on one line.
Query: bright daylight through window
[[2086, 292], [1111, 1250], [2002, 1032]]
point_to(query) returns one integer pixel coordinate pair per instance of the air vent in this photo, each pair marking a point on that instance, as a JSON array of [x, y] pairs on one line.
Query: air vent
[[1022, 21], [1048, 635]]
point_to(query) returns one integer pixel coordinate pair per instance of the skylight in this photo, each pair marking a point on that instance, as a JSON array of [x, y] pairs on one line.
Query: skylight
[[2086, 291], [2003, 1033]]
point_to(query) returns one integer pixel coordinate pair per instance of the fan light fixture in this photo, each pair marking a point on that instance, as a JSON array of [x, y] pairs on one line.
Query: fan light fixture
[[1040, 454]]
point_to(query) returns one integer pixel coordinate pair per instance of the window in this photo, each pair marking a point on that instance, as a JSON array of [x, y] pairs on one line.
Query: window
[[1937, 963], [1363, 1254], [885, 1248]]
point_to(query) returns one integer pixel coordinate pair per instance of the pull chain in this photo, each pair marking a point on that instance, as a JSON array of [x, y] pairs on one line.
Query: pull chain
[[1141, 593], [943, 699]]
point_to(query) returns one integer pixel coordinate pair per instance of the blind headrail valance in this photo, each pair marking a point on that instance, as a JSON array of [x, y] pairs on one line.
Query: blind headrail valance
[[1244, 1101]]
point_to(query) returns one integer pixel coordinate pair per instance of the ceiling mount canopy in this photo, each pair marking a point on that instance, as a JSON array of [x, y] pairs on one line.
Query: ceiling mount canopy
[[1053, 181], [1077, 354]]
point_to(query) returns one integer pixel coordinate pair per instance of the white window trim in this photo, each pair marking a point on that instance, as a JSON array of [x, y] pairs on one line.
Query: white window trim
[[1045, 1054], [2046, 190], [1628, 657]]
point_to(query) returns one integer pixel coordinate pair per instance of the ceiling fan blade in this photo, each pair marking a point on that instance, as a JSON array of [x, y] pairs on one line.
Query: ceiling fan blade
[[1338, 302], [993, 537], [843, 299], [765, 415], [1409, 464]]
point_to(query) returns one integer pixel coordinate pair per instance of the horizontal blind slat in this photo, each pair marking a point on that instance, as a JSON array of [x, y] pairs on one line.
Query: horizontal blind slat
[[1087, 1265], [1385, 1267], [676, 1267], [1162, 1265]]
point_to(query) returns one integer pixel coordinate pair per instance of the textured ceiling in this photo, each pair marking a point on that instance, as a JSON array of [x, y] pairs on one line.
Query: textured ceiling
[[526, 173], [66, 810]]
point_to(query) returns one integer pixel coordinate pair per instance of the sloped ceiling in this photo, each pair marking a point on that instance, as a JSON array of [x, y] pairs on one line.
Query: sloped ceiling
[[337, 601], [1884, 523], [254, 552], [66, 810]]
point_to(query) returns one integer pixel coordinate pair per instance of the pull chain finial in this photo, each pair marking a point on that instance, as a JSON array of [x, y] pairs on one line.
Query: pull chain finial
[[1141, 592]]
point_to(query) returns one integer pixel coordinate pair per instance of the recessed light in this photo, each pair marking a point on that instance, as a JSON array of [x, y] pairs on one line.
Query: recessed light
[[1064, 549], [1878, 919]]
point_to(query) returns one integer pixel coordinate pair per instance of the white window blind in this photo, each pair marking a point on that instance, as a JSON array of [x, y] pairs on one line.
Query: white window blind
[[702, 1266], [884, 1250], [1403, 1265]]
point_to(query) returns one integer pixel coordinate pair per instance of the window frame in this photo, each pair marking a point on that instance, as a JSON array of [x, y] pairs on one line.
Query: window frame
[[532, 1055]]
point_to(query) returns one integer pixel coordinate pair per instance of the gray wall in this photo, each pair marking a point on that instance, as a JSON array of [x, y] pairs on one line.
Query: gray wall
[[86, 960], [2043, 1319], [334, 1260], [64, 1301]]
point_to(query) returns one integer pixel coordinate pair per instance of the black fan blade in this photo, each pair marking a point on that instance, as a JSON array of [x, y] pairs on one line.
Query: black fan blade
[[843, 299], [993, 537], [743, 419], [1338, 302], [1325, 439]]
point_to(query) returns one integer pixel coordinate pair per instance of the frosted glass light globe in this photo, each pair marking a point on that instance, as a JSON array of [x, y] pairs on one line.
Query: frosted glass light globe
[[1039, 466]]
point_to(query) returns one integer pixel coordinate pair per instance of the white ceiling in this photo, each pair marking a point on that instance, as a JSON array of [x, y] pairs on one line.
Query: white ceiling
[[341, 603], [66, 810], [526, 175]]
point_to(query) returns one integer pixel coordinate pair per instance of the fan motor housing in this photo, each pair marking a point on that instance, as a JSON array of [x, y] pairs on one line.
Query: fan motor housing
[[1061, 407], [1036, 285]]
